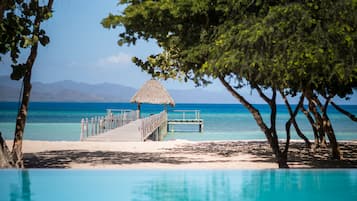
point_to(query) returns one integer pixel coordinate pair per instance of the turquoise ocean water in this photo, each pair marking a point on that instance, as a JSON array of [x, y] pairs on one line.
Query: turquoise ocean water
[[150, 185], [61, 121]]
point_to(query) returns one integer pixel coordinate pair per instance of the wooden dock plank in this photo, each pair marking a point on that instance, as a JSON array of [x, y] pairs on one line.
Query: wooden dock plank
[[138, 130], [128, 132]]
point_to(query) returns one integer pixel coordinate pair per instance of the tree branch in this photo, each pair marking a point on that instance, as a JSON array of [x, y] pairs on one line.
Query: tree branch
[[246, 104], [345, 112], [264, 97]]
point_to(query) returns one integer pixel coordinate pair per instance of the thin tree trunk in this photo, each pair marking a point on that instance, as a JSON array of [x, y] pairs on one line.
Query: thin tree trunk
[[22, 114], [313, 125], [326, 126], [282, 156], [270, 134], [336, 154], [17, 154], [318, 121], [292, 119], [5, 155]]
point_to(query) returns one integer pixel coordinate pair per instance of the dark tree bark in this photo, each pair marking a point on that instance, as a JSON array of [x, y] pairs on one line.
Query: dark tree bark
[[324, 124], [318, 121], [336, 154], [312, 123], [5, 155], [292, 119], [17, 154], [22, 114], [270, 133], [349, 115]]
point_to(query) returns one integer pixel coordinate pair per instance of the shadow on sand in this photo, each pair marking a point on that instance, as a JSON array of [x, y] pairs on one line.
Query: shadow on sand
[[62, 159], [298, 154]]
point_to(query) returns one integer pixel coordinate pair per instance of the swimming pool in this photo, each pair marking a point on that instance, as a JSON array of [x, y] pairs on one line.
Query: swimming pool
[[180, 185]]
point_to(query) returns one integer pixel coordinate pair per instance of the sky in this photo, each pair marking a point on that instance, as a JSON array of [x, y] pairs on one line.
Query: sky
[[82, 50]]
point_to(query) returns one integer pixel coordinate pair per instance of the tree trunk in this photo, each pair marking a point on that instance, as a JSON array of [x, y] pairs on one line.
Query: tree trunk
[[20, 124], [281, 156], [270, 134], [336, 154], [17, 154], [324, 124], [283, 161], [313, 125], [318, 121], [5, 155], [293, 120], [22, 114]]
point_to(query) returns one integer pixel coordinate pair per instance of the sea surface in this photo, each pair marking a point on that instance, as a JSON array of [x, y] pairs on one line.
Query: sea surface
[[153, 185], [61, 121]]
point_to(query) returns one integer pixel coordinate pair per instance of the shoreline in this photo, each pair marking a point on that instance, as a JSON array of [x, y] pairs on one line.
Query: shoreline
[[178, 155]]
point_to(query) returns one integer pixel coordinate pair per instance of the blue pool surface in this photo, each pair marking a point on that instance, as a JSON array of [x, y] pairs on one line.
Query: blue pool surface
[[180, 185]]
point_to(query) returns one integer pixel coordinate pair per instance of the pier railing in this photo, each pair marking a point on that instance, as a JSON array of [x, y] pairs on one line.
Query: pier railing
[[151, 123], [100, 124], [188, 117], [189, 114]]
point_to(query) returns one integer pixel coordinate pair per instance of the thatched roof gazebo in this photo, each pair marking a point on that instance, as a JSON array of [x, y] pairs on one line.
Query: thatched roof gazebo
[[152, 92]]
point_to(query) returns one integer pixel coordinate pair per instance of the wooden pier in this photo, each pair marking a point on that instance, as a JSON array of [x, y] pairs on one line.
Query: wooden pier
[[127, 127], [150, 128], [188, 117], [101, 124]]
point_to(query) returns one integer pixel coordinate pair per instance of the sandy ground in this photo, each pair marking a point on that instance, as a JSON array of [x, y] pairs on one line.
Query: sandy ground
[[177, 154]]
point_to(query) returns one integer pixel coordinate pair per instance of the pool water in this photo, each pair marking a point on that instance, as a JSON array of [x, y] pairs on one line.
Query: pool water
[[147, 185]]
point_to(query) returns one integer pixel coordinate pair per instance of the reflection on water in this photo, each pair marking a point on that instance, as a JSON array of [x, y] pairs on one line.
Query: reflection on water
[[250, 185], [22, 190], [326, 185], [189, 186]]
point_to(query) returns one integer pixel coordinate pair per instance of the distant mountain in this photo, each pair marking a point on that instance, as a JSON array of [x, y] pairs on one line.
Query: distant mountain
[[71, 91], [66, 91]]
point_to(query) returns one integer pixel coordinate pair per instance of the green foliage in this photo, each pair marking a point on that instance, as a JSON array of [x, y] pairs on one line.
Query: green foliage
[[288, 45], [17, 27]]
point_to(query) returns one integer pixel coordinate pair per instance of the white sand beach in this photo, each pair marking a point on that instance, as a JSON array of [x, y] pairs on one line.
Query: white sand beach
[[178, 154], [136, 155]]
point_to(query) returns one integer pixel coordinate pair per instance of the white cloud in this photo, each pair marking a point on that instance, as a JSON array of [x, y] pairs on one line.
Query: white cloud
[[118, 59]]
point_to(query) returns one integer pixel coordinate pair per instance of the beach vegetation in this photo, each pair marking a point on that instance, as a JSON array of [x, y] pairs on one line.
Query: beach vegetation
[[288, 48], [21, 33]]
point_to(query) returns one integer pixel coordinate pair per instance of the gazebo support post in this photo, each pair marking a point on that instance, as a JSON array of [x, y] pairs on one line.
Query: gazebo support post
[[138, 111]]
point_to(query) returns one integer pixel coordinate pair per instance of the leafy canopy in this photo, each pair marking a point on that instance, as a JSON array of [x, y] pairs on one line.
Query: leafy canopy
[[289, 45], [17, 27]]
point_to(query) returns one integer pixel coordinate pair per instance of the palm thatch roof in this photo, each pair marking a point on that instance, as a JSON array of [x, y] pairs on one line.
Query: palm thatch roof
[[154, 93]]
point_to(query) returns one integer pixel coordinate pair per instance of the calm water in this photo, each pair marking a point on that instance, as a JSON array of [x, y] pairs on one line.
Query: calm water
[[60, 121], [242, 185]]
